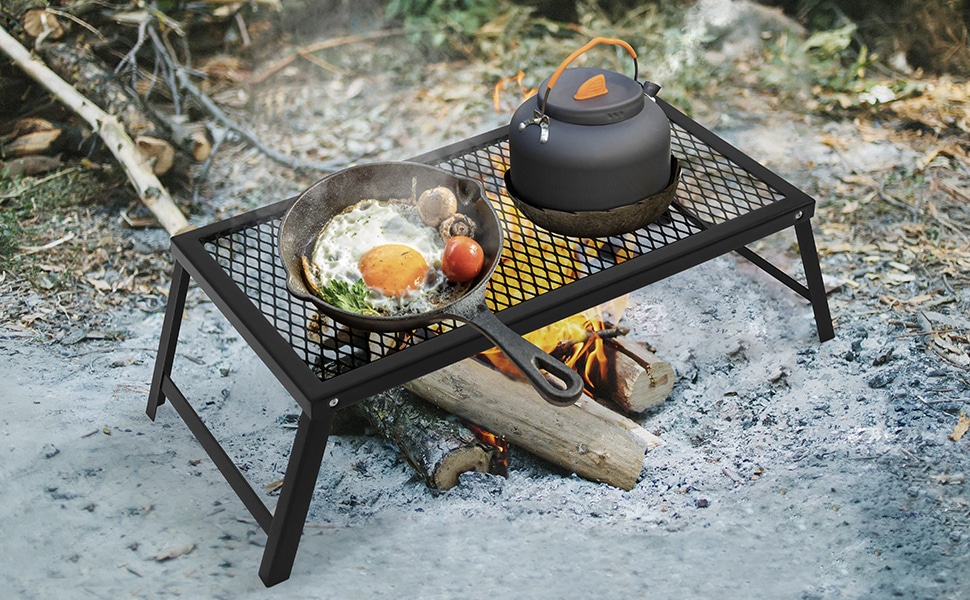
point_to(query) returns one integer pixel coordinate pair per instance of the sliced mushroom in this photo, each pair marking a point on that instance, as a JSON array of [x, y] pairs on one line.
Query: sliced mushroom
[[457, 224], [436, 205]]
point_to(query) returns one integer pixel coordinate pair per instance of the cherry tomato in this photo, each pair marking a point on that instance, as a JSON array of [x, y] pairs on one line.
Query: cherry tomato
[[463, 259]]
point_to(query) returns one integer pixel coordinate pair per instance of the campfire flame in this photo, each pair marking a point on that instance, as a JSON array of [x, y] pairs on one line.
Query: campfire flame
[[499, 462], [577, 340], [500, 86]]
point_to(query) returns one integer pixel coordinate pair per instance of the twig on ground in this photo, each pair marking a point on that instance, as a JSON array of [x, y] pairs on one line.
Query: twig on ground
[[36, 183], [54, 244]]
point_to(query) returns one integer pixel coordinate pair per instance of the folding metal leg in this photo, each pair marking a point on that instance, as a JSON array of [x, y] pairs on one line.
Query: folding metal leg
[[170, 337], [813, 277], [294, 501]]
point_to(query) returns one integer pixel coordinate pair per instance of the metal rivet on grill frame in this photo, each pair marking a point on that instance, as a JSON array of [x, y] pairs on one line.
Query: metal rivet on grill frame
[[334, 402]]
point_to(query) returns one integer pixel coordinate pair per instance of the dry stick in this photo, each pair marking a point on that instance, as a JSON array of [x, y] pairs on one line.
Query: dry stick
[[248, 134], [152, 193]]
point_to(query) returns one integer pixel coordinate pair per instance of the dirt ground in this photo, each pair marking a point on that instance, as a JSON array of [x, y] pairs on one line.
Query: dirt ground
[[790, 468]]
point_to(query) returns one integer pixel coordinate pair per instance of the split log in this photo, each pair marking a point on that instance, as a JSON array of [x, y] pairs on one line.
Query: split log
[[586, 438], [152, 193], [28, 166], [619, 371], [36, 142], [640, 380], [438, 446], [33, 136]]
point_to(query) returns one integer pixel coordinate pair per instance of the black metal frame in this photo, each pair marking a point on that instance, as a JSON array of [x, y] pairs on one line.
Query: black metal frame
[[703, 235]]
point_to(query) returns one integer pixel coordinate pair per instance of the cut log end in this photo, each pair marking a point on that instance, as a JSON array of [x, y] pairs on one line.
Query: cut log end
[[461, 460], [434, 443], [642, 380], [42, 22], [156, 152]]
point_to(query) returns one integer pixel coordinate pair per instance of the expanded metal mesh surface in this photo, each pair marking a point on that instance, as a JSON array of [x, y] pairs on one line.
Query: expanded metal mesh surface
[[713, 189]]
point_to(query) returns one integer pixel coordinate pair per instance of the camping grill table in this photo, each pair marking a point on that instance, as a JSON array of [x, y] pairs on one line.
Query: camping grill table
[[725, 201]]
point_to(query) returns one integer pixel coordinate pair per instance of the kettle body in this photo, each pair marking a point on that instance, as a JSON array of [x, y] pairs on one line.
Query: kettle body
[[595, 154]]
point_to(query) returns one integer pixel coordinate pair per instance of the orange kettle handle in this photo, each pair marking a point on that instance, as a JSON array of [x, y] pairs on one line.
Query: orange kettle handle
[[590, 44]]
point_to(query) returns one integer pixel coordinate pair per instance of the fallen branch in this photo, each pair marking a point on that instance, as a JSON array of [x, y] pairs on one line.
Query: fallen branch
[[152, 193], [54, 244]]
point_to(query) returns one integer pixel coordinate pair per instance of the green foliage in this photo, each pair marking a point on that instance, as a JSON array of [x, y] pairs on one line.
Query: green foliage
[[825, 71], [441, 24], [9, 234]]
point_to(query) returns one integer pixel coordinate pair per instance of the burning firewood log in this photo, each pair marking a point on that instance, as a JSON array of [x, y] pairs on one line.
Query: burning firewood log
[[617, 370], [586, 438], [436, 444]]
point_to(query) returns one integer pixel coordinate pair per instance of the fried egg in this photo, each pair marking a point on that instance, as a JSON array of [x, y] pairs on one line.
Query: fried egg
[[388, 246]]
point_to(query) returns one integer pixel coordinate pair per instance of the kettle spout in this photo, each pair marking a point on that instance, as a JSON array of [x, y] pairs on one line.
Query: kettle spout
[[651, 89]]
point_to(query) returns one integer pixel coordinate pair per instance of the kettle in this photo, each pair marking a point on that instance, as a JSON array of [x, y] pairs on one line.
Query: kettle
[[592, 143]]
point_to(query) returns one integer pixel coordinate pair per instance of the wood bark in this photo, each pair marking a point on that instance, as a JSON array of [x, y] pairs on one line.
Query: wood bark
[[437, 445], [586, 438], [152, 193]]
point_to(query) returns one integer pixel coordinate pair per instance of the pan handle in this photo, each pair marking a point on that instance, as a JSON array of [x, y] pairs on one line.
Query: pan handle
[[529, 359]]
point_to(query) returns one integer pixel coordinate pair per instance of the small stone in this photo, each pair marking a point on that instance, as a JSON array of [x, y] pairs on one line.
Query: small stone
[[881, 379], [703, 503], [884, 357]]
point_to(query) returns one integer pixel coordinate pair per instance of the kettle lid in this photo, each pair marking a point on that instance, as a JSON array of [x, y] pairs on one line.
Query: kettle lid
[[588, 96]]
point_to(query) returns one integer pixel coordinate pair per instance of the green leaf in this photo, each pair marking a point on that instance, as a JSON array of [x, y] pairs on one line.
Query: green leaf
[[354, 298]]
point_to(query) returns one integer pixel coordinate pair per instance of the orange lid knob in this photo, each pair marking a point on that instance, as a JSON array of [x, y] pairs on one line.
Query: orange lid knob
[[591, 88]]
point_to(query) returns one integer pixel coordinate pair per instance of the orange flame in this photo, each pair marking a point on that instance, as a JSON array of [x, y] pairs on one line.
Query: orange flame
[[575, 340], [500, 86], [499, 463]]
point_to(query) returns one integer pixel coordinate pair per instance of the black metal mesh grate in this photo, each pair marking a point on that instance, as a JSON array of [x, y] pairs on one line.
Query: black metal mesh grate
[[713, 189]]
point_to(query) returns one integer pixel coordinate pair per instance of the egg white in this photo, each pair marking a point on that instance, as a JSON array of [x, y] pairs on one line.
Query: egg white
[[366, 225]]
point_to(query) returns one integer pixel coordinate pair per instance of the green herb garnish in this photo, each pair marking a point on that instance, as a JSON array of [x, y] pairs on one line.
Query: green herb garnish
[[352, 298]]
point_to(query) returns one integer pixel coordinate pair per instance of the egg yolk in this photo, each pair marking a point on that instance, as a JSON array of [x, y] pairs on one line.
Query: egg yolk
[[393, 269]]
